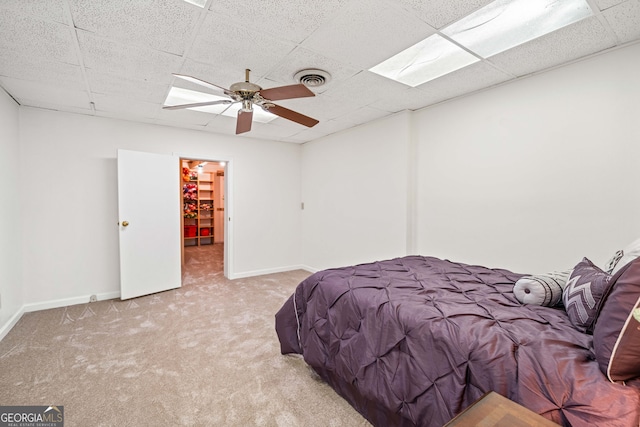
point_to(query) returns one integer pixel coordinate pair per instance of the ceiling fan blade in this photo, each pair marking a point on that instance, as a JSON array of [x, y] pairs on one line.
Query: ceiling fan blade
[[291, 115], [201, 82], [243, 124], [286, 92], [197, 104]]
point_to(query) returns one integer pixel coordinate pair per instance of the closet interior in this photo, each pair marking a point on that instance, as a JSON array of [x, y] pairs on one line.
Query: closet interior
[[202, 202]]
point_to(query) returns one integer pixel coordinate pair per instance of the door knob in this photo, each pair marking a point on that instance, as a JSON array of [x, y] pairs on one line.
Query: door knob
[[125, 223]]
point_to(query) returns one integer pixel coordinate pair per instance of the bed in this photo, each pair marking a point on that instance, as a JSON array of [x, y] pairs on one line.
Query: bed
[[415, 340]]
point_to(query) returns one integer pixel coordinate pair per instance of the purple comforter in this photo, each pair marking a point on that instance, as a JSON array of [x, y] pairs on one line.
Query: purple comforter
[[415, 340]]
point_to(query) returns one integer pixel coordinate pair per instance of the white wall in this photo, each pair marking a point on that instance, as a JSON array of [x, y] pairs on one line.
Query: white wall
[[355, 194], [535, 174], [531, 176], [69, 199], [11, 292]]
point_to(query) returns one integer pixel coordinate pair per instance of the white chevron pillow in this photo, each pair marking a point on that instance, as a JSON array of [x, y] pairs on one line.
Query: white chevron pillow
[[583, 294]]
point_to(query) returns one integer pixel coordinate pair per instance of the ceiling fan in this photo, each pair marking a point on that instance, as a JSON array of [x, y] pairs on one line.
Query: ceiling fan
[[250, 94]]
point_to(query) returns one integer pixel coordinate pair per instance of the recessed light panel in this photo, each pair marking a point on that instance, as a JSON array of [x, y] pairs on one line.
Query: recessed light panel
[[178, 96], [199, 3], [499, 26], [429, 59], [504, 24]]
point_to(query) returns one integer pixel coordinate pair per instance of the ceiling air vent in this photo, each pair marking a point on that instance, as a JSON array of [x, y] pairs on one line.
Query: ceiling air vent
[[312, 77]]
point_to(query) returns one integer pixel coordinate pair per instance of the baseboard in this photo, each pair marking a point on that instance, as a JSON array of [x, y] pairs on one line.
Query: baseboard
[[253, 273], [309, 269], [64, 302], [4, 329]]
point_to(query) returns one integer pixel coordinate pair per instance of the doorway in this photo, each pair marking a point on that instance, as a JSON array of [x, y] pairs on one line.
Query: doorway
[[203, 225]]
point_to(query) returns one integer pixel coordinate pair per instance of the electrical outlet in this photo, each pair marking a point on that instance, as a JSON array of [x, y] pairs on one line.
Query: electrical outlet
[[93, 298]]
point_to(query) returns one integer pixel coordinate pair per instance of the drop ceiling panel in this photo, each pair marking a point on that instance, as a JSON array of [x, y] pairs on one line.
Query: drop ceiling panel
[[218, 75], [24, 36], [124, 60], [268, 131], [113, 106], [439, 13], [224, 45], [176, 117], [625, 19], [368, 32], [45, 72], [466, 80], [606, 4], [305, 136], [291, 20], [364, 88], [49, 10], [568, 43], [111, 84], [165, 25], [320, 107], [224, 125], [37, 94], [362, 115], [408, 99]]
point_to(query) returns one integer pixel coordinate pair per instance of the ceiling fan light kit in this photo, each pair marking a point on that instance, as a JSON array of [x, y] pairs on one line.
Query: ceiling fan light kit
[[250, 94]]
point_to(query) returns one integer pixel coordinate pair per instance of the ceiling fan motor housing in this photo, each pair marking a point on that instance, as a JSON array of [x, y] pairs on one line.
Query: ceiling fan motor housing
[[245, 89]]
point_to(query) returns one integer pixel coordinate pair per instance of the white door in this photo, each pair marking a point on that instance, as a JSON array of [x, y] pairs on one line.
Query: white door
[[149, 223]]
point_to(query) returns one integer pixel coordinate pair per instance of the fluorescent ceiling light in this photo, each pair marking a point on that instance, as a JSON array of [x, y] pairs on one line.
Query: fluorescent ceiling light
[[199, 3], [429, 59], [504, 24], [499, 26], [178, 96]]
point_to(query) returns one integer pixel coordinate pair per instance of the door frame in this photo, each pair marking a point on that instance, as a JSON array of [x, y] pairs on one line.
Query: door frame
[[228, 206]]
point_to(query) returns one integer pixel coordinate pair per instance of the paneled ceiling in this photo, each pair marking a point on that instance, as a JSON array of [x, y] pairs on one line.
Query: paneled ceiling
[[115, 58]]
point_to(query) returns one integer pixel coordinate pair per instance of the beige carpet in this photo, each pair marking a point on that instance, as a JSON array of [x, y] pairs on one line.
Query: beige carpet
[[203, 355]]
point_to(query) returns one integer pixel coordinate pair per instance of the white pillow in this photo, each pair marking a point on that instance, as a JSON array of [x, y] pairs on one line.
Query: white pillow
[[611, 264], [542, 289], [631, 252]]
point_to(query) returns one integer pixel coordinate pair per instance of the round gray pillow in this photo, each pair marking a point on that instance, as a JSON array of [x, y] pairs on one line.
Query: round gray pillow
[[542, 289]]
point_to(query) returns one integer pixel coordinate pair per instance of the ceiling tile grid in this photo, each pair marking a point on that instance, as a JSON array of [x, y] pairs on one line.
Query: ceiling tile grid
[[121, 54]]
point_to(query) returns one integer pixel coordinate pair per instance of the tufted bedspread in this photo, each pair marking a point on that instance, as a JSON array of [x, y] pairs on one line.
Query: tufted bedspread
[[415, 340]]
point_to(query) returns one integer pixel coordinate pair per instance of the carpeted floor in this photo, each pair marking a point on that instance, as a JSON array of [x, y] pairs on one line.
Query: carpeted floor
[[202, 355]]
